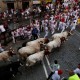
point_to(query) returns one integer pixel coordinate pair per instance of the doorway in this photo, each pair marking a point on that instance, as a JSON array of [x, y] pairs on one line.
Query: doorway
[[25, 5], [10, 5]]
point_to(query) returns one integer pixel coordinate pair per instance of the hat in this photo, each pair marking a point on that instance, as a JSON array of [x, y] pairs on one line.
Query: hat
[[60, 72]]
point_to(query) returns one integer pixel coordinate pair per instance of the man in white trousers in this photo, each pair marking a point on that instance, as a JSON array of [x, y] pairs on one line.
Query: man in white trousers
[[46, 32], [63, 27], [52, 26], [60, 26], [73, 26]]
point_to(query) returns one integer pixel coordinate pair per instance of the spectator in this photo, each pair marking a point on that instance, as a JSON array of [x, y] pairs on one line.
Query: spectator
[[34, 33], [55, 67], [2, 28], [16, 34], [5, 23], [3, 32], [56, 75], [73, 27], [73, 76], [77, 70], [46, 31]]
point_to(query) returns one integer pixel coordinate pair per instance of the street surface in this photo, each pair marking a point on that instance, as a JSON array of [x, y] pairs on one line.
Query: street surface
[[68, 57]]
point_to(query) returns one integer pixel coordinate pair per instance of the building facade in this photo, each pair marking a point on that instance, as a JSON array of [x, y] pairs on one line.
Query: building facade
[[19, 4], [15, 4]]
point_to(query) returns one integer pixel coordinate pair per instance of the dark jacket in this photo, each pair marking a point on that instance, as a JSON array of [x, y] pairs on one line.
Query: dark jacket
[[34, 31]]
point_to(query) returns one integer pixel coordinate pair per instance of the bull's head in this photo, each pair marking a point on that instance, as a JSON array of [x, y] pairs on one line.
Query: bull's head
[[62, 39], [42, 45], [46, 51], [11, 52], [46, 40]]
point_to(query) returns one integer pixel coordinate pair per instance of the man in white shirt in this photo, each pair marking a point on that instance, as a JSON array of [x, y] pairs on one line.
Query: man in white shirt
[[52, 26], [56, 75], [77, 70], [55, 67], [73, 26], [46, 32], [60, 26], [63, 27], [42, 25], [2, 28]]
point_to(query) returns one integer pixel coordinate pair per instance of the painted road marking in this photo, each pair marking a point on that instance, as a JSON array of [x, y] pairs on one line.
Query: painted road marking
[[45, 70], [47, 60]]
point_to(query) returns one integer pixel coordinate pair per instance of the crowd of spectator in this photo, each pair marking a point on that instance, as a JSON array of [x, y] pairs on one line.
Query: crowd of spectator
[[50, 18], [56, 73], [45, 17]]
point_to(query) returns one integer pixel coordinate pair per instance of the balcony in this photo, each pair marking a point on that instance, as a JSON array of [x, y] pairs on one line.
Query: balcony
[[8, 0]]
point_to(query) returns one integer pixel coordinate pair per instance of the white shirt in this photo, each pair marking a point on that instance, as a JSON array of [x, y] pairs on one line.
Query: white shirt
[[55, 67], [65, 4], [60, 24], [77, 70], [12, 34], [43, 22], [56, 76], [51, 5], [75, 22], [46, 29], [46, 21], [2, 28], [52, 17]]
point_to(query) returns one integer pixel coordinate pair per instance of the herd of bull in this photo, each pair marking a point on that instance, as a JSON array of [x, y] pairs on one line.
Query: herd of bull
[[31, 52]]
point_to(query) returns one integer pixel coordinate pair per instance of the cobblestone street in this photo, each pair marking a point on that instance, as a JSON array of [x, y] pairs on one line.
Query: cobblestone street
[[68, 57], [54, 21]]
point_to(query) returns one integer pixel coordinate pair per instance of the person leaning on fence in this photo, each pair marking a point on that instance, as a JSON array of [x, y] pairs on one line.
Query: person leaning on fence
[[55, 67]]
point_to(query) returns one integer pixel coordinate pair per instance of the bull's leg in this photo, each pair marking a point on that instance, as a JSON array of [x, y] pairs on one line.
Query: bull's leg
[[32, 63], [50, 49]]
